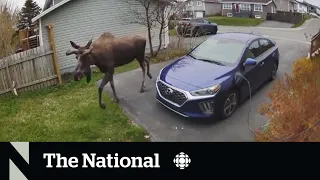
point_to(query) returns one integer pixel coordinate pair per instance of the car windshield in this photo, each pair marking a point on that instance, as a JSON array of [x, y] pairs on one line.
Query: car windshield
[[219, 51]]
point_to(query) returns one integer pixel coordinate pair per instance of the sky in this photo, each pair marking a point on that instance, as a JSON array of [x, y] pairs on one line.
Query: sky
[[20, 3]]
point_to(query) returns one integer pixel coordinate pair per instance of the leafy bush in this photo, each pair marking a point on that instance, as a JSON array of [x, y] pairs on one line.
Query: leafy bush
[[171, 25], [294, 107]]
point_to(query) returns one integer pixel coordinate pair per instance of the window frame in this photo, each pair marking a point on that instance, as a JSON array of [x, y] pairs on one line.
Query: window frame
[[258, 5], [227, 6], [248, 7], [199, 3]]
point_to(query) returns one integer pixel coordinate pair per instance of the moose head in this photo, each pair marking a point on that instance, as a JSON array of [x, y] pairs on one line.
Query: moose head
[[83, 60]]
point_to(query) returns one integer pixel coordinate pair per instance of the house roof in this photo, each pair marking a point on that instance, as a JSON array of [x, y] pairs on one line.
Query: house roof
[[212, 1], [266, 2], [48, 9]]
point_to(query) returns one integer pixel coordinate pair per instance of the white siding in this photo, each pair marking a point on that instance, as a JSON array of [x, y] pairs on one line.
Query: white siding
[[79, 20]]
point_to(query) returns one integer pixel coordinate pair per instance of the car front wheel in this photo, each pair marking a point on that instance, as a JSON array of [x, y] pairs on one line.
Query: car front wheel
[[229, 104], [274, 71]]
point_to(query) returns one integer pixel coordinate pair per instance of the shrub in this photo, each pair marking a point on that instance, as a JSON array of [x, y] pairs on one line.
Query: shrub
[[169, 54], [294, 108], [171, 25]]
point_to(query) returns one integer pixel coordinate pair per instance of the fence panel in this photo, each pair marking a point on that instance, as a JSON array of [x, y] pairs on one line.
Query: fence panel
[[288, 17], [29, 70], [315, 46]]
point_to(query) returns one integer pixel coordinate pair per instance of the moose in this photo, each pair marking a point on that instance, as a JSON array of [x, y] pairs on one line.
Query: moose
[[107, 53]]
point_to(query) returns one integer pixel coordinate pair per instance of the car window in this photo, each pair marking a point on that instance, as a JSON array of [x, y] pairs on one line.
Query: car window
[[224, 51], [205, 21], [265, 45], [255, 49]]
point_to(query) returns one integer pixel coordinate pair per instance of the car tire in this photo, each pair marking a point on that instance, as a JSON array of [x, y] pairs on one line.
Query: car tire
[[274, 71], [229, 104]]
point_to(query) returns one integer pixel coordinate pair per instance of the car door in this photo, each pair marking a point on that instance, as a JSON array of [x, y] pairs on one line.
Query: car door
[[251, 73], [268, 58], [207, 25]]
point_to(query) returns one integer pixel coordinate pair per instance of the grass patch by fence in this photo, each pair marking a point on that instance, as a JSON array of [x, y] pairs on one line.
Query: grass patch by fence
[[235, 21], [69, 113], [305, 17]]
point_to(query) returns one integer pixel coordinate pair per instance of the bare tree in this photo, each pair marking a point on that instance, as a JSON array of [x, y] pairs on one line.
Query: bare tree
[[146, 16], [155, 15], [8, 20]]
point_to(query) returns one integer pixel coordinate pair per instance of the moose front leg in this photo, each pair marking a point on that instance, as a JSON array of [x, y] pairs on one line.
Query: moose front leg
[[116, 99], [103, 83]]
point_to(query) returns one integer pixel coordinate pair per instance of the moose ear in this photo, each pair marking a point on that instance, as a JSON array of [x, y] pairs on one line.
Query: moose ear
[[74, 45], [89, 44]]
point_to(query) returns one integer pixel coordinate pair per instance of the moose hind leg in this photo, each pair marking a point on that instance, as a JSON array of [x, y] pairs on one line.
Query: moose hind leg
[[142, 64], [104, 81], [116, 99], [147, 61]]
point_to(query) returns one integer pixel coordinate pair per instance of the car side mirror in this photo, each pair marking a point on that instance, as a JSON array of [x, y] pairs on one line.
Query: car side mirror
[[250, 62]]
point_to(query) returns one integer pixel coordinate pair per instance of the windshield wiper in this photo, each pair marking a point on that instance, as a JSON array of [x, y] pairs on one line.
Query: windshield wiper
[[216, 62], [192, 56]]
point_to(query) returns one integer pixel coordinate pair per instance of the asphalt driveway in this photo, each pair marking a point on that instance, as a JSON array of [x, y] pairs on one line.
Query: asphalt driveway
[[164, 125]]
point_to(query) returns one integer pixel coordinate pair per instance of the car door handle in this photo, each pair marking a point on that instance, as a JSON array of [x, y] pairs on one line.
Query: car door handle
[[261, 64]]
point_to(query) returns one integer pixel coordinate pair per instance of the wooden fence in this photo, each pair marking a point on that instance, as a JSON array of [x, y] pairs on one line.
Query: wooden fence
[[315, 46], [30, 70], [288, 17]]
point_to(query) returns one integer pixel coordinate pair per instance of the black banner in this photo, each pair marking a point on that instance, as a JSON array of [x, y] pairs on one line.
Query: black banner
[[110, 160]]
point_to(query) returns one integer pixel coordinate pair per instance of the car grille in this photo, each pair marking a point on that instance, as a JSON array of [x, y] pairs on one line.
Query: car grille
[[171, 94]]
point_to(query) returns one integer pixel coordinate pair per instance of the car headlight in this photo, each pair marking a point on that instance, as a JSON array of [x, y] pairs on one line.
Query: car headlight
[[206, 91]]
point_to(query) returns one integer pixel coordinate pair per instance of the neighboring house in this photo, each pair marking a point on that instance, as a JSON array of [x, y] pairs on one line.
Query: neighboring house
[[300, 7], [248, 8], [201, 8], [80, 20], [284, 5]]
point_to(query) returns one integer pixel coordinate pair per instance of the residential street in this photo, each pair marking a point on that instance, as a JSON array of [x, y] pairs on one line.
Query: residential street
[[164, 125]]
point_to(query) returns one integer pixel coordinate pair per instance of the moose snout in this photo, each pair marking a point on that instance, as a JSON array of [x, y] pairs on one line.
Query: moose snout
[[77, 76]]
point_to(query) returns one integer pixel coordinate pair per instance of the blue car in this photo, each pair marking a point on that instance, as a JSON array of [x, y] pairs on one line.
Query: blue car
[[212, 79]]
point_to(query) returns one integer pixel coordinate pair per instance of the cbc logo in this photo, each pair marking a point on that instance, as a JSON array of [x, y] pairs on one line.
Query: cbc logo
[[182, 160]]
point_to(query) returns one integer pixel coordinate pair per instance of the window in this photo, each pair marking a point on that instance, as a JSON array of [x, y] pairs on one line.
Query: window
[[258, 7], [265, 45], [218, 50], [199, 3], [245, 7], [254, 48], [226, 6], [273, 9]]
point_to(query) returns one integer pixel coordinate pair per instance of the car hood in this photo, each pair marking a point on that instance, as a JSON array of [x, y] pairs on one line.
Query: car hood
[[190, 74]]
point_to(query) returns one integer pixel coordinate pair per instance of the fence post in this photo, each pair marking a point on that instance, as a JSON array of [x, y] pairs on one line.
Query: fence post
[[55, 58], [8, 74]]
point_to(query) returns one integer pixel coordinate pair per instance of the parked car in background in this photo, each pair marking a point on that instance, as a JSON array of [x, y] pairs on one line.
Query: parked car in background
[[196, 26], [211, 80]]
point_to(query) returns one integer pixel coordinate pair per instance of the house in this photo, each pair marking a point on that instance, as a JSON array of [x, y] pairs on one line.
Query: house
[[248, 8], [284, 5], [300, 6], [201, 8], [80, 20]]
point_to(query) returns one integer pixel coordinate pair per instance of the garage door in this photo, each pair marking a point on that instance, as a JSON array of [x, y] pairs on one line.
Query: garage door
[[199, 14]]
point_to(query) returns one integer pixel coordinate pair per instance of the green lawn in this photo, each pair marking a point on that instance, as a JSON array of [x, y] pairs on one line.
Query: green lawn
[[67, 113], [235, 21], [172, 32]]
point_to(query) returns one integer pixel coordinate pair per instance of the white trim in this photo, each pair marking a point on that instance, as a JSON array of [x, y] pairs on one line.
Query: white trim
[[199, 3], [40, 33], [223, 7], [229, 15], [257, 10], [49, 10]]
